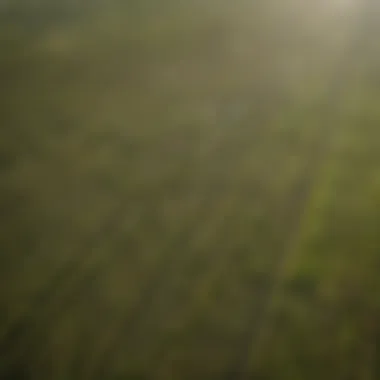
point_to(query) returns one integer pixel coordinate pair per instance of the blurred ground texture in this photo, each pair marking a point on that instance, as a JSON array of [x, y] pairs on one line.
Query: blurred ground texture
[[189, 190]]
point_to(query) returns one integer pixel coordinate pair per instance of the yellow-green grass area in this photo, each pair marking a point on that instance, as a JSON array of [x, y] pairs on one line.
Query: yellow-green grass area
[[169, 200], [324, 318]]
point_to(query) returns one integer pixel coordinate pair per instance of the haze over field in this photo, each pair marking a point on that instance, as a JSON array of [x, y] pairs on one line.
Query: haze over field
[[189, 190]]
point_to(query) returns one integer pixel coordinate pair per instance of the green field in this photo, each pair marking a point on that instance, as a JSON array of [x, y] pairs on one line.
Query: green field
[[189, 190]]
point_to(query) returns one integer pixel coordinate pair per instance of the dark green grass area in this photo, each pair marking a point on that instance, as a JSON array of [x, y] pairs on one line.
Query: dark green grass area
[[189, 192]]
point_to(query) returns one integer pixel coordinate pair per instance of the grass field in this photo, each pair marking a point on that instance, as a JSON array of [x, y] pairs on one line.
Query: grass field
[[189, 191]]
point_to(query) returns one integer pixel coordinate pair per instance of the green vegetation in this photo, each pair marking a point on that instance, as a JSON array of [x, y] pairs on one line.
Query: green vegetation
[[189, 190]]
